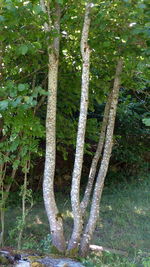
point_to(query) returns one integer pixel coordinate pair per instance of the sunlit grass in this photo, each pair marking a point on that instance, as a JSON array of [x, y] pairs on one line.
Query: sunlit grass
[[124, 218]]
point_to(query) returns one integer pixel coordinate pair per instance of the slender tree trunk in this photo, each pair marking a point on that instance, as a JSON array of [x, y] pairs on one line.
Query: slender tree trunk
[[24, 195], [75, 189], [94, 213], [2, 213], [56, 224], [86, 198]]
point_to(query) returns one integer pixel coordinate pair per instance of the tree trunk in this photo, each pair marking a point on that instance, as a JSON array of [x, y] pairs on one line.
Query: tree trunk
[[56, 224], [75, 189], [86, 198], [94, 213]]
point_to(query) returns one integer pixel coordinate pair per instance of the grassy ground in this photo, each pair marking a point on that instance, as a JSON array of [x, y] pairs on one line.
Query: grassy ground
[[124, 224]]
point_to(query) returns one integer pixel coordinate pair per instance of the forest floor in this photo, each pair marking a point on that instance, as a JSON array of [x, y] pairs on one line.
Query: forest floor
[[124, 225]]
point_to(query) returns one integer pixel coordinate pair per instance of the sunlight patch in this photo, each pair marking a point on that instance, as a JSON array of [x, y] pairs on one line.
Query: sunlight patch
[[38, 221], [139, 211]]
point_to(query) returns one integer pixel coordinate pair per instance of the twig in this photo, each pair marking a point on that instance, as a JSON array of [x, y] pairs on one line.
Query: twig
[[35, 71]]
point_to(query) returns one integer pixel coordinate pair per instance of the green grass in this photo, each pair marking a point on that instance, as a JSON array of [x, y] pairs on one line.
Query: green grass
[[124, 224], [125, 217]]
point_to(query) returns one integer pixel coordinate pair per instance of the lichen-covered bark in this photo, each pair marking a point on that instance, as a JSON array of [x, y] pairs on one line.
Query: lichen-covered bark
[[75, 189], [56, 224], [86, 198], [94, 213]]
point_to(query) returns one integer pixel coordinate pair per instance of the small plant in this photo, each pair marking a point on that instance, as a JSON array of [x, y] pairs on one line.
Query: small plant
[[107, 260], [29, 243], [26, 198], [45, 244], [92, 261], [26, 195], [146, 262], [13, 232]]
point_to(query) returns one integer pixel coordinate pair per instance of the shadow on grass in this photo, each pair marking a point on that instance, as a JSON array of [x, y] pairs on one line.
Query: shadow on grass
[[123, 224]]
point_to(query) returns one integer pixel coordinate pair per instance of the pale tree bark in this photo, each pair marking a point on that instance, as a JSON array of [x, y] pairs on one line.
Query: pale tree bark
[[94, 213], [75, 189], [85, 201], [55, 222]]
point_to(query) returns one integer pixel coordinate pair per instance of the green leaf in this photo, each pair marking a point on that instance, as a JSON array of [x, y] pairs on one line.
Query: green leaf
[[2, 38], [2, 18], [30, 101], [16, 102], [37, 45], [106, 44], [60, 2], [41, 91], [37, 9], [34, 103], [146, 121], [24, 151], [13, 146], [142, 6], [3, 104], [16, 164], [13, 93], [23, 49], [21, 87], [10, 84], [3, 92]]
